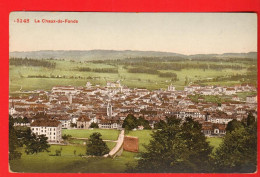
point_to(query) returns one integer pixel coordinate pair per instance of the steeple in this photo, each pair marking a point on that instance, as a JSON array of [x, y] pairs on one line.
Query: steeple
[[109, 110]]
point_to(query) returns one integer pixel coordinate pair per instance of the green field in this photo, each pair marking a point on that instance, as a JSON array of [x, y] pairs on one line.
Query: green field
[[67, 73], [215, 142], [70, 163], [106, 134]]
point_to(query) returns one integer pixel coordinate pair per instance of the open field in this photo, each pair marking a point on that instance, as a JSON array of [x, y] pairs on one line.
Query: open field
[[67, 73], [78, 133], [69, 162], [215, 142]]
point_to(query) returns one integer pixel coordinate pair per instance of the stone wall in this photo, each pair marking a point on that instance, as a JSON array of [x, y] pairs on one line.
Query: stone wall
[[131, 144]]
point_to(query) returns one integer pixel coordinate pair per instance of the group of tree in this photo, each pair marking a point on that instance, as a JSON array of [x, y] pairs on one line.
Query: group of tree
[[25, 137], [94, 125], [178, 66], [147, 70], [131, 122], [98, 70], [176, 148], [238, 152], [181, 147], [31, 62], [13, 141], [66, 137], [20, 120]]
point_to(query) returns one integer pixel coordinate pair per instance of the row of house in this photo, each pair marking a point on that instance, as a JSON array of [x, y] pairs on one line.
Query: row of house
[[108, 106]]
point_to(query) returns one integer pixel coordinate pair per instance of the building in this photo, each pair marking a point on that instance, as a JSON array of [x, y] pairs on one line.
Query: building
[[48, 127], [65, 121], [171, 88], [251, 99], [213, 129], [83, 122], [109, 110], [109, 124]]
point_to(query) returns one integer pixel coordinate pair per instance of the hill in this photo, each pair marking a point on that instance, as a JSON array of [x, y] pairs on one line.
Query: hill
[[86, 55]]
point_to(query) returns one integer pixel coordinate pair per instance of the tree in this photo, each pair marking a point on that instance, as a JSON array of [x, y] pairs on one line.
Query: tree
[[250, 119], [73, 125], [96, 146], [145, 123], [232, 125], [238, 151], [160, 125], [35, 144], [176, 148], [197, 145], [66, 137], [13, 141], [93, 125], [130, 122]]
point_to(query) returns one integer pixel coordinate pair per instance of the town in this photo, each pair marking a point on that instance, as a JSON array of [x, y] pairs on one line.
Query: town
[[66, 107]]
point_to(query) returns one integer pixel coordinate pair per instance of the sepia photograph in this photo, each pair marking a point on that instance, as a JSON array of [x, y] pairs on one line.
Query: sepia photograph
[[107, 92]]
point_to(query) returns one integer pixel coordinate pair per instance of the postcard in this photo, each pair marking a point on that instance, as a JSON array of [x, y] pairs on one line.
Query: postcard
[[103, 92]]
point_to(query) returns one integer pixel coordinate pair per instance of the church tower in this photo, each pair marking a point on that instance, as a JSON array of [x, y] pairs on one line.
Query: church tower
[[109, 110]]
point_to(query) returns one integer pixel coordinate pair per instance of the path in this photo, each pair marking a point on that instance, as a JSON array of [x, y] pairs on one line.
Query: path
[[118, 149]]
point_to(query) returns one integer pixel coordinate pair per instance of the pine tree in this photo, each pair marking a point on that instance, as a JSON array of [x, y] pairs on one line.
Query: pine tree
[[96, 146]]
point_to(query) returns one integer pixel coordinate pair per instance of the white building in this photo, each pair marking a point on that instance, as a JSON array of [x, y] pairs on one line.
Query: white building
[[171, 88], [251, 99], [65, 122], [48, 127], [109, 110]]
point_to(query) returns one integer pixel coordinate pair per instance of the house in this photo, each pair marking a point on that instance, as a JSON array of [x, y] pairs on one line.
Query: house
[[213, 129], [207, 128], [251, 99], [219, 118], [83, 122], [219, 129], [230, 91], [65, 121], [109, 124], [49, 127], [171, 88]]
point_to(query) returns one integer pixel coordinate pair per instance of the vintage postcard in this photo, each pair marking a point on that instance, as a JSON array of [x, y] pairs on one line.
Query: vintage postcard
[[93, 92]]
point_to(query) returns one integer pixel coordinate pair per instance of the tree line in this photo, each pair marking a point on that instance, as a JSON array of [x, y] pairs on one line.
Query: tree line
[[176, 63], [153, 71], [179, 66], [98, 70], [31, 62]]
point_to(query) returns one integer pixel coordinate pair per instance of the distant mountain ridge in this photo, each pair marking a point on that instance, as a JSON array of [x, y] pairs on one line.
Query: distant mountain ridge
[[85, 55]]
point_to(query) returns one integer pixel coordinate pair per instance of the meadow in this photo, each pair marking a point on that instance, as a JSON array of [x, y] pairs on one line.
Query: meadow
[[69, 162], [27, 78], [83, 133]]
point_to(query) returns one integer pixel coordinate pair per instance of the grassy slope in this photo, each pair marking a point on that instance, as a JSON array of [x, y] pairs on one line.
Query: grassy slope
[[69, 163]]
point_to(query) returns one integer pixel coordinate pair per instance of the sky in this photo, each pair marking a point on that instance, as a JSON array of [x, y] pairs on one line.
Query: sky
[[185, 33]]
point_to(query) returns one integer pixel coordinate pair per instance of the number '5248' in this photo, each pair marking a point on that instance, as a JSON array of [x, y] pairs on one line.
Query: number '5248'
[[20, 20]]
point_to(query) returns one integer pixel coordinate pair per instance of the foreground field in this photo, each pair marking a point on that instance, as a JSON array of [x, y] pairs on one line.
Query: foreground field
[[69, 162]]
